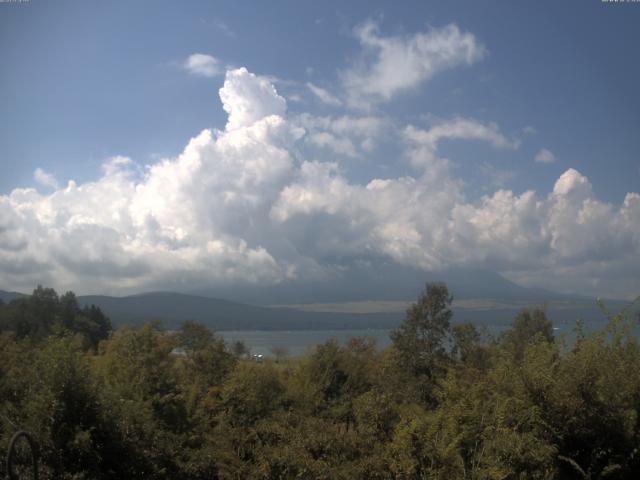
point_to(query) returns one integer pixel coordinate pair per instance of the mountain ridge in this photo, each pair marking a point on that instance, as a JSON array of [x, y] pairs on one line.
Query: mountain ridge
[[172, 308]]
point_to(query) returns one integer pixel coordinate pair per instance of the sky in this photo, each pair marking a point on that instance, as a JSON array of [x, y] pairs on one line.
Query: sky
[[202, 145]]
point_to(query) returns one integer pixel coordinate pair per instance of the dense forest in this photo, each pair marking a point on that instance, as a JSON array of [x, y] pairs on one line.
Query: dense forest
[[444, 401]]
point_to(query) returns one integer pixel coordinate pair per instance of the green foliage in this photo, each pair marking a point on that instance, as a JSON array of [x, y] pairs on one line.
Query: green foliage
[[420, 341], [440, 403], [50, 392], [425, 445], [44, 313], [250, 393], [527, 328], [240, 349], [468, 347]]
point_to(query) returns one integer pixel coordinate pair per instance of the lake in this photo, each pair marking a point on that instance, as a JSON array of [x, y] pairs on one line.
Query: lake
[[298, 342]]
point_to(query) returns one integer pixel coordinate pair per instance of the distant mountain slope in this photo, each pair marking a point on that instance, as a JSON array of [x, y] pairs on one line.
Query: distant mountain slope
[[6, 297], [173, 308], [389, 282]]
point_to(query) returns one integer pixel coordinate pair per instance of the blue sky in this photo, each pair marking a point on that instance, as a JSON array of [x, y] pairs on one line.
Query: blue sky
[[84, 82]]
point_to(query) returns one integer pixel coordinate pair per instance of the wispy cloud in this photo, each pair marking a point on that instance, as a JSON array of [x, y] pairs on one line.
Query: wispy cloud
[[391, 65], [203, 65], [323, 95], [224, 28], [44, 178], [498, 177], [458, 128], [545, 156]]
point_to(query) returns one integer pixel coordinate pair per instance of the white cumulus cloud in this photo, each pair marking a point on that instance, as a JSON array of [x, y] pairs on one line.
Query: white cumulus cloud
[[248, 98], [244, 206], [344, 135]]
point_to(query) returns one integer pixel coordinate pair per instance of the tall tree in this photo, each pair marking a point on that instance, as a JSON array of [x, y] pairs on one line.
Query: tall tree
[[420, 341], [528, 327]]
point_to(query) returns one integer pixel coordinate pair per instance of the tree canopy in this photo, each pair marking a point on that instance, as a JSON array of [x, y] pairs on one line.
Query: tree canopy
[[444, 401]]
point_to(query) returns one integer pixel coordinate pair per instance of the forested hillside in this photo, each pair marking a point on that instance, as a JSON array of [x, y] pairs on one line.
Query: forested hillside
[[442, 402]]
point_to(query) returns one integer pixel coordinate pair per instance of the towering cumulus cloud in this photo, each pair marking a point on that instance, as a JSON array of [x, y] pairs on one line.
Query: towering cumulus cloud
[[248, 98], [242, 206]]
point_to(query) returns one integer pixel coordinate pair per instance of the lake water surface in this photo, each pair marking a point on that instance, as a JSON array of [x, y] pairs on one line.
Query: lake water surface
[[298, 342]]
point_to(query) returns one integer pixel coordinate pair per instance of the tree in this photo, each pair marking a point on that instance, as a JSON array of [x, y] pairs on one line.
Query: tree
[[68, 308], [280, 352], [44, 313], [34, 316], [194, 336], [239, 349], [55, 399], [420, 340], [98, 326], [468, 347], [207, 360], [250, 393], [527, 328]]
